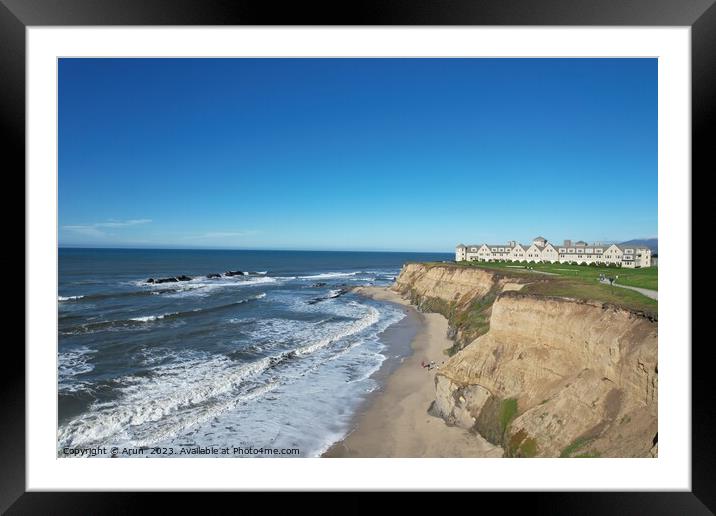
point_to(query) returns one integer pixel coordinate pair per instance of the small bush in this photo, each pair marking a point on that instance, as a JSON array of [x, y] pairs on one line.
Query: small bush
[[521, 445], [588, 455], [508, 411], [528, 448], [575, 446]]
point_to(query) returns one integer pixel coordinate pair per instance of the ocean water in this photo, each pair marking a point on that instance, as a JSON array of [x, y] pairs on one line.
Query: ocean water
[[278, 358]]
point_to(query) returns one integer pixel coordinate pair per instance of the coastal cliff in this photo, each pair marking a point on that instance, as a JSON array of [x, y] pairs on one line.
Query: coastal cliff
[[463, 296], [542, 376]]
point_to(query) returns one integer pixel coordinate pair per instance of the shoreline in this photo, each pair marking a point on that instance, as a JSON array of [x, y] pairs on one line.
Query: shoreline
[[395, 422]]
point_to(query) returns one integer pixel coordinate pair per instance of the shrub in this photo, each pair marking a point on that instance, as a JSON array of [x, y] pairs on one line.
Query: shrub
[[521, 445], [576, 445], [508, 411]]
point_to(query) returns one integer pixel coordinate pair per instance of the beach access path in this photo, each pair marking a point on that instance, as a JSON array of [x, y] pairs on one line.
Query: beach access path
[[653, 294], [396, 422]]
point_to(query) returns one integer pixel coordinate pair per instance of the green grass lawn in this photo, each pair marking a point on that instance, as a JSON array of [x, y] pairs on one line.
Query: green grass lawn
[[646, 277], [580, 288]]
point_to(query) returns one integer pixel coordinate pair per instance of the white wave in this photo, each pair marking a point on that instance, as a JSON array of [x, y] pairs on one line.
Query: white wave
[[172, 396], [203, 282], [69, 298], [335, 319], [71, 363], [153, 356], [149, 318], [235, 281], [372, 317], [74, 386], [329, 275], [203, 287]]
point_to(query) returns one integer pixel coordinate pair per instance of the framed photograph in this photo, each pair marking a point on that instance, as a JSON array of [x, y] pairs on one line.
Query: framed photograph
[[414, 249]]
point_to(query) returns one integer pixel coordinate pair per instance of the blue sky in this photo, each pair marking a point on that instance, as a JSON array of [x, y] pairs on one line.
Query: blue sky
[[355, 154]]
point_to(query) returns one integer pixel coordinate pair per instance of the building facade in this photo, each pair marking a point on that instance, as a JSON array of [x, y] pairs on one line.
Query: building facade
[[580, 252]]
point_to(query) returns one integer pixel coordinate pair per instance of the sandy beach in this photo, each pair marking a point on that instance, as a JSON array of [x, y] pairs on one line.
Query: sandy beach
[[396, 423]]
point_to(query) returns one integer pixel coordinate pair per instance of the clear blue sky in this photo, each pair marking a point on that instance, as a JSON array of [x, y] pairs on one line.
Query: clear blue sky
[[355, 154]]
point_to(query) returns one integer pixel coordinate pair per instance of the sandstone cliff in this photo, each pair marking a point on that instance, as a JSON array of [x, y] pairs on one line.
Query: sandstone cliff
[[547, 376], [464, 296]]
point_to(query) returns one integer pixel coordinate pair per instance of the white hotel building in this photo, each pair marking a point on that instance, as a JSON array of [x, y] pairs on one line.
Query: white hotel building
[[632, 256]]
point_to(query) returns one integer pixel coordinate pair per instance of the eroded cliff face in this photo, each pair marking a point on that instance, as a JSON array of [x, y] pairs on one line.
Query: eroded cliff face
[[463, 296], [551, 377], [449, 284]]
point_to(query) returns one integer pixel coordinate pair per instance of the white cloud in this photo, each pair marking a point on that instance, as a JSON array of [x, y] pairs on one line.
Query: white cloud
[[121, 223], [93, 230], [223, 234]]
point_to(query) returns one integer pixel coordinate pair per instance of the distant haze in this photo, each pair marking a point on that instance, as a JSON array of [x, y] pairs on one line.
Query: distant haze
[[355, 154]]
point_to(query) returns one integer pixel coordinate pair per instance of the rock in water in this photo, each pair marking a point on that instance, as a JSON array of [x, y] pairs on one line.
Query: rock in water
[[166, 280]]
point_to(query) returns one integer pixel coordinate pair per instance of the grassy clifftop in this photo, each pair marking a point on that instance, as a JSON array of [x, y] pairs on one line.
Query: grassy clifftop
[[645, 277]]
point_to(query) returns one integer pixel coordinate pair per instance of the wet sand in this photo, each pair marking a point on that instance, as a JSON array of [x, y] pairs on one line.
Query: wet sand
[[396, 423]]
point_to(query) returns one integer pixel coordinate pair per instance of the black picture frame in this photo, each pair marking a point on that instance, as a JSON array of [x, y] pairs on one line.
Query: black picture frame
[[700, 15]]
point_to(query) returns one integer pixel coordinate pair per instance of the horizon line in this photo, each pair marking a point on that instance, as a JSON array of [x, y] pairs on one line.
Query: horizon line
[[171, 248]]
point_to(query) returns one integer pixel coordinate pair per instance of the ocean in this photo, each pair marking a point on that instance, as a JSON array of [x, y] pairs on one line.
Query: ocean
[[280, 357]]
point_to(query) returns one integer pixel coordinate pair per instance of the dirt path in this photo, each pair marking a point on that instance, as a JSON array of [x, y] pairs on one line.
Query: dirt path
[[653, 294]]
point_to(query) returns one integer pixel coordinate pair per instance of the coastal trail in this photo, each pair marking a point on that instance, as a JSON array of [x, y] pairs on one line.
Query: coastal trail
[[653, 294]]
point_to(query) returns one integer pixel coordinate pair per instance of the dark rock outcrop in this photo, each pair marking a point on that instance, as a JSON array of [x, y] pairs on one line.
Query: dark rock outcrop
[[332, 295], [171, 279]]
